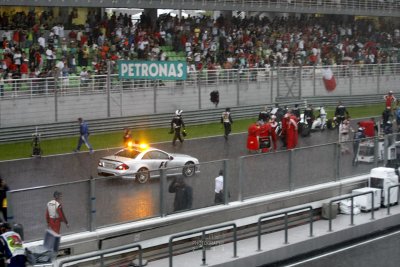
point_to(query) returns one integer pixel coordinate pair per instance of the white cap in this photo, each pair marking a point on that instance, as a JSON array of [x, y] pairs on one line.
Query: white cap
[[178, 112]]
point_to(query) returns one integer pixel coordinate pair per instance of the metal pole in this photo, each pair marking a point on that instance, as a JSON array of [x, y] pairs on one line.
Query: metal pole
[[300, 75], [351, 80], [108, 88], [163, 181], [235, 242], [121, 93], [240, 191], [314, 81], [373, 206], [199, 87], [55, 96], [291, 171], [378, 80], [286, 229], [376, 151], [352, 211], [155, 97], [337, 157], [330, 217], [10, 212], [92, 205], [277, 82], [237, 87], [388, 210], [271, 76], [203, 241], [224, 186], [259, 236], [311, 222], [385, 149]]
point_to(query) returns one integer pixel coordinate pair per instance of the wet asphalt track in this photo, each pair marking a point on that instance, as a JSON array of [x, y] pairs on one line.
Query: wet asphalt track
[[121, 200]]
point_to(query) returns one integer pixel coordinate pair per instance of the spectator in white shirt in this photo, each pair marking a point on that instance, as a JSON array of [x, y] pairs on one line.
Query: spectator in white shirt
[[219, 188]]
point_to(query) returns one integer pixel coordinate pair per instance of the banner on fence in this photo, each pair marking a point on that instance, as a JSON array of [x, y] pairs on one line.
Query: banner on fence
[[152, 70], [329, 79]]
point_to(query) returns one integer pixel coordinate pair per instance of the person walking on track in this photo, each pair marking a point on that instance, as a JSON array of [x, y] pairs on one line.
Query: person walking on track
[[226, 119]]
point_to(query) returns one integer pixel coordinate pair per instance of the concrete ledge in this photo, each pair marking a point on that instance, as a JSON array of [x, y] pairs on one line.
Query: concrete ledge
[[155, 231]]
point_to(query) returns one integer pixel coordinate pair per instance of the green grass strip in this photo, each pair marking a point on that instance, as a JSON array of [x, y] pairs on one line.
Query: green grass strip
[[17, 150]]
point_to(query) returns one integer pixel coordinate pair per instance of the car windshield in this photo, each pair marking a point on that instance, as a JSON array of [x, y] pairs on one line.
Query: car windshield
[[128, 153]]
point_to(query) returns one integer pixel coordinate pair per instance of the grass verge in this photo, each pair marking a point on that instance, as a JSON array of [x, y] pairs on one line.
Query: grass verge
[[9, 151]]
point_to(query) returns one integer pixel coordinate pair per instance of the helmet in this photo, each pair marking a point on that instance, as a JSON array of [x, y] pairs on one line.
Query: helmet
[[178, 112], [361, 129], [390, 92]]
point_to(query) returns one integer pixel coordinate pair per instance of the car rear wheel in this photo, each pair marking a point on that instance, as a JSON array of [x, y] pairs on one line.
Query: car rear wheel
[[142, 176], [188, 169]]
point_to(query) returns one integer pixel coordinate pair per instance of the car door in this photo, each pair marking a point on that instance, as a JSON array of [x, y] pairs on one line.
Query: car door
[[155, 160]]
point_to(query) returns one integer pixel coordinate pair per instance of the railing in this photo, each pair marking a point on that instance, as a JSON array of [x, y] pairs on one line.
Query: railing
[[286, 226], [256, 175], [389, 202], [109, 97], [203, 235], [352, 207], [262, 5], [101, 254]]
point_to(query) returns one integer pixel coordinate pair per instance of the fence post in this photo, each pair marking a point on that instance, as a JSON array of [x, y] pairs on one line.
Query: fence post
[[10, 212], [225, 183], [240, 191], [199, 87], [300, 77], [277, 82], [376, 151], [163, 180], [314, 81], [108, 86], [55, 76], [92, 205], [155, 96], [385, 149], [291, 164], [378, 80], [237, 87], [337, 161], [271, 76], [203, 249], [286, 229], [351, 80]]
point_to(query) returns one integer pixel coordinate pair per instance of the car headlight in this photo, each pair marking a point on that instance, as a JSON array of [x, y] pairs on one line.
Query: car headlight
[[101, 164]]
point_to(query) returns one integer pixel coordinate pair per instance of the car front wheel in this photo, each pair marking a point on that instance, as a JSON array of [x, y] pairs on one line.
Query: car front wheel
[[142, 176], [188, 169]]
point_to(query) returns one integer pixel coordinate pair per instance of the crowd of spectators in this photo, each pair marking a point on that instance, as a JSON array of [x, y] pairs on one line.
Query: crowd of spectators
[[32, 46]]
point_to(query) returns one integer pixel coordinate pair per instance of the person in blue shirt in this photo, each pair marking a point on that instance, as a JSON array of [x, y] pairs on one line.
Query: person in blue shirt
[[84, 136]]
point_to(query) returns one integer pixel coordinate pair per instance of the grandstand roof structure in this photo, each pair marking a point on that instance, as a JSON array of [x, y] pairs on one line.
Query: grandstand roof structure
[[349, 7]]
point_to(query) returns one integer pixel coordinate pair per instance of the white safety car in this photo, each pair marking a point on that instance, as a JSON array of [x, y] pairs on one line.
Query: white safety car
[[141, 162]]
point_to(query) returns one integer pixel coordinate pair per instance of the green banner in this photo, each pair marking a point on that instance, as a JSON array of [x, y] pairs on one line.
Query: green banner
[[152, 70]]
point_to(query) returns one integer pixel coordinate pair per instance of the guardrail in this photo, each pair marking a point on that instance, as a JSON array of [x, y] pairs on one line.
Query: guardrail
[[101, 254], [203, 234], [389, 188], [286, 223], [352, 207]]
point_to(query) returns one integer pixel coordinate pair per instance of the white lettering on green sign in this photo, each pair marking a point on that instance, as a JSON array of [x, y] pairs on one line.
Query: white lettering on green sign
[[154, 70]]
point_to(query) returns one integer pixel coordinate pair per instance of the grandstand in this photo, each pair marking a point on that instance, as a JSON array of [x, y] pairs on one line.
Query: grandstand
[[228, 52]]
